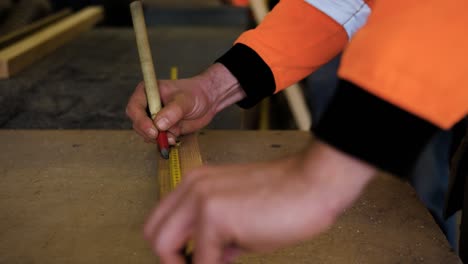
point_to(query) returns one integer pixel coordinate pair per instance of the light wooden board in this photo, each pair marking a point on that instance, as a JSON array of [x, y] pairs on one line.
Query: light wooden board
[[16, 35], [83, 196], [15, 58]]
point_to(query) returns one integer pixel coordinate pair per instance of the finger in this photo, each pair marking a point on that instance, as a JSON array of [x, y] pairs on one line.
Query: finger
[[137, 113], [175, 130], [174, 112], [137, 103], [140, 133], [146, 126], [159, 213], [231, 253], [168, 204], [171, 138], [173, 233], [146, 136], [209, 243]]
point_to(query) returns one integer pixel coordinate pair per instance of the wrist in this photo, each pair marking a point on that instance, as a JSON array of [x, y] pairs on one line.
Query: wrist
[[340, 177], [221, 87]]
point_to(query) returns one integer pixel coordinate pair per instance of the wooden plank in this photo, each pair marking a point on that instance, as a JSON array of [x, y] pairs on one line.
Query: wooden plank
[[190, 158], [19, 34], [75, 196], [17, 57]]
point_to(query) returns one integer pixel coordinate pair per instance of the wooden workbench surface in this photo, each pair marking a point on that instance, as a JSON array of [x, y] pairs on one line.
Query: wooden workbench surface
[[82, 197]]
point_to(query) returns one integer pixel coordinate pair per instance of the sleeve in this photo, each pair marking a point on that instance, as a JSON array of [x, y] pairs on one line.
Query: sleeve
[[403, 78], [296, 38]]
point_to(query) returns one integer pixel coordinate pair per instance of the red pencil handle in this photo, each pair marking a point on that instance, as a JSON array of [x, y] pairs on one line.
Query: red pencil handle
[[162, 140]]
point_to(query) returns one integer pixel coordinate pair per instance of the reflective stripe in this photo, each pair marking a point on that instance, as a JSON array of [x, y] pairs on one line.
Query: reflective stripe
[[351, 14]]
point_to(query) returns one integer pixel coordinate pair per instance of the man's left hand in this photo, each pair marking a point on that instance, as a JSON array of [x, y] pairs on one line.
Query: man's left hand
[[256, 207]]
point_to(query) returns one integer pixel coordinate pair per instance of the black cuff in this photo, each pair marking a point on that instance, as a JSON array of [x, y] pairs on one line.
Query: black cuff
[[253, 74], [373, 130]]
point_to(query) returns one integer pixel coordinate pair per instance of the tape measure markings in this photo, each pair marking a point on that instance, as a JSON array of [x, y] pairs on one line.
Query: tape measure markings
[[174, 167]]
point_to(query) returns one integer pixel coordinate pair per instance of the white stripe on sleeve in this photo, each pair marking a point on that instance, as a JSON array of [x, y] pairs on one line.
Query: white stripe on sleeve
[[351, 14]]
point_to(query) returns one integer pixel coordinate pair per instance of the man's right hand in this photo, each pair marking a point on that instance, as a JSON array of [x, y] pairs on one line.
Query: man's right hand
[[189, 104]]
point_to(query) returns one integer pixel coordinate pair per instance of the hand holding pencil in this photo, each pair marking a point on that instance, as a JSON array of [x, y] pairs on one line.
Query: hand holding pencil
[[149, 74], [189, 104]]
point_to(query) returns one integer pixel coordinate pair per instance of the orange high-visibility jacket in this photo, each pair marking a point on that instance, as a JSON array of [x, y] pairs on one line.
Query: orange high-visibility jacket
[[403, 60]]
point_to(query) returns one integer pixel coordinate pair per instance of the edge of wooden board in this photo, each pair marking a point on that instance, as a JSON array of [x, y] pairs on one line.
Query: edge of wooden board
[[15, 58]]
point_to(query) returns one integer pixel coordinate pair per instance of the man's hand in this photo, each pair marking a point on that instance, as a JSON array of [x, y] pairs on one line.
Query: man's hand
[[255, 207], [189, 104]]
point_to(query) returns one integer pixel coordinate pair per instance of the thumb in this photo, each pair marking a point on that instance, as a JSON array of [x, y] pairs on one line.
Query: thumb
[[171, 114]]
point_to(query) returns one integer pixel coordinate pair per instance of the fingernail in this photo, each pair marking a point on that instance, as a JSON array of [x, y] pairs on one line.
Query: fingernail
[[151, 132], [171, 141], [162, 124]]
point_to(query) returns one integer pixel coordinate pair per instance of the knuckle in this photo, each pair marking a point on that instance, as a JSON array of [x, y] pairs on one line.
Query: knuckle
[[131, 111], [174, 112]]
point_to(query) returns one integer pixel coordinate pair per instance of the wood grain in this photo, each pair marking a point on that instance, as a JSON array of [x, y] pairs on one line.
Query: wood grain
[[75, 196], [31, 49]]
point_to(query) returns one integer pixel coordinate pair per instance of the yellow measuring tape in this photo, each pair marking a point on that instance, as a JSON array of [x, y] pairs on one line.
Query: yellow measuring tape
[[176, 177], [171, 169], [174, 167], [175, 173], [174, 160]]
